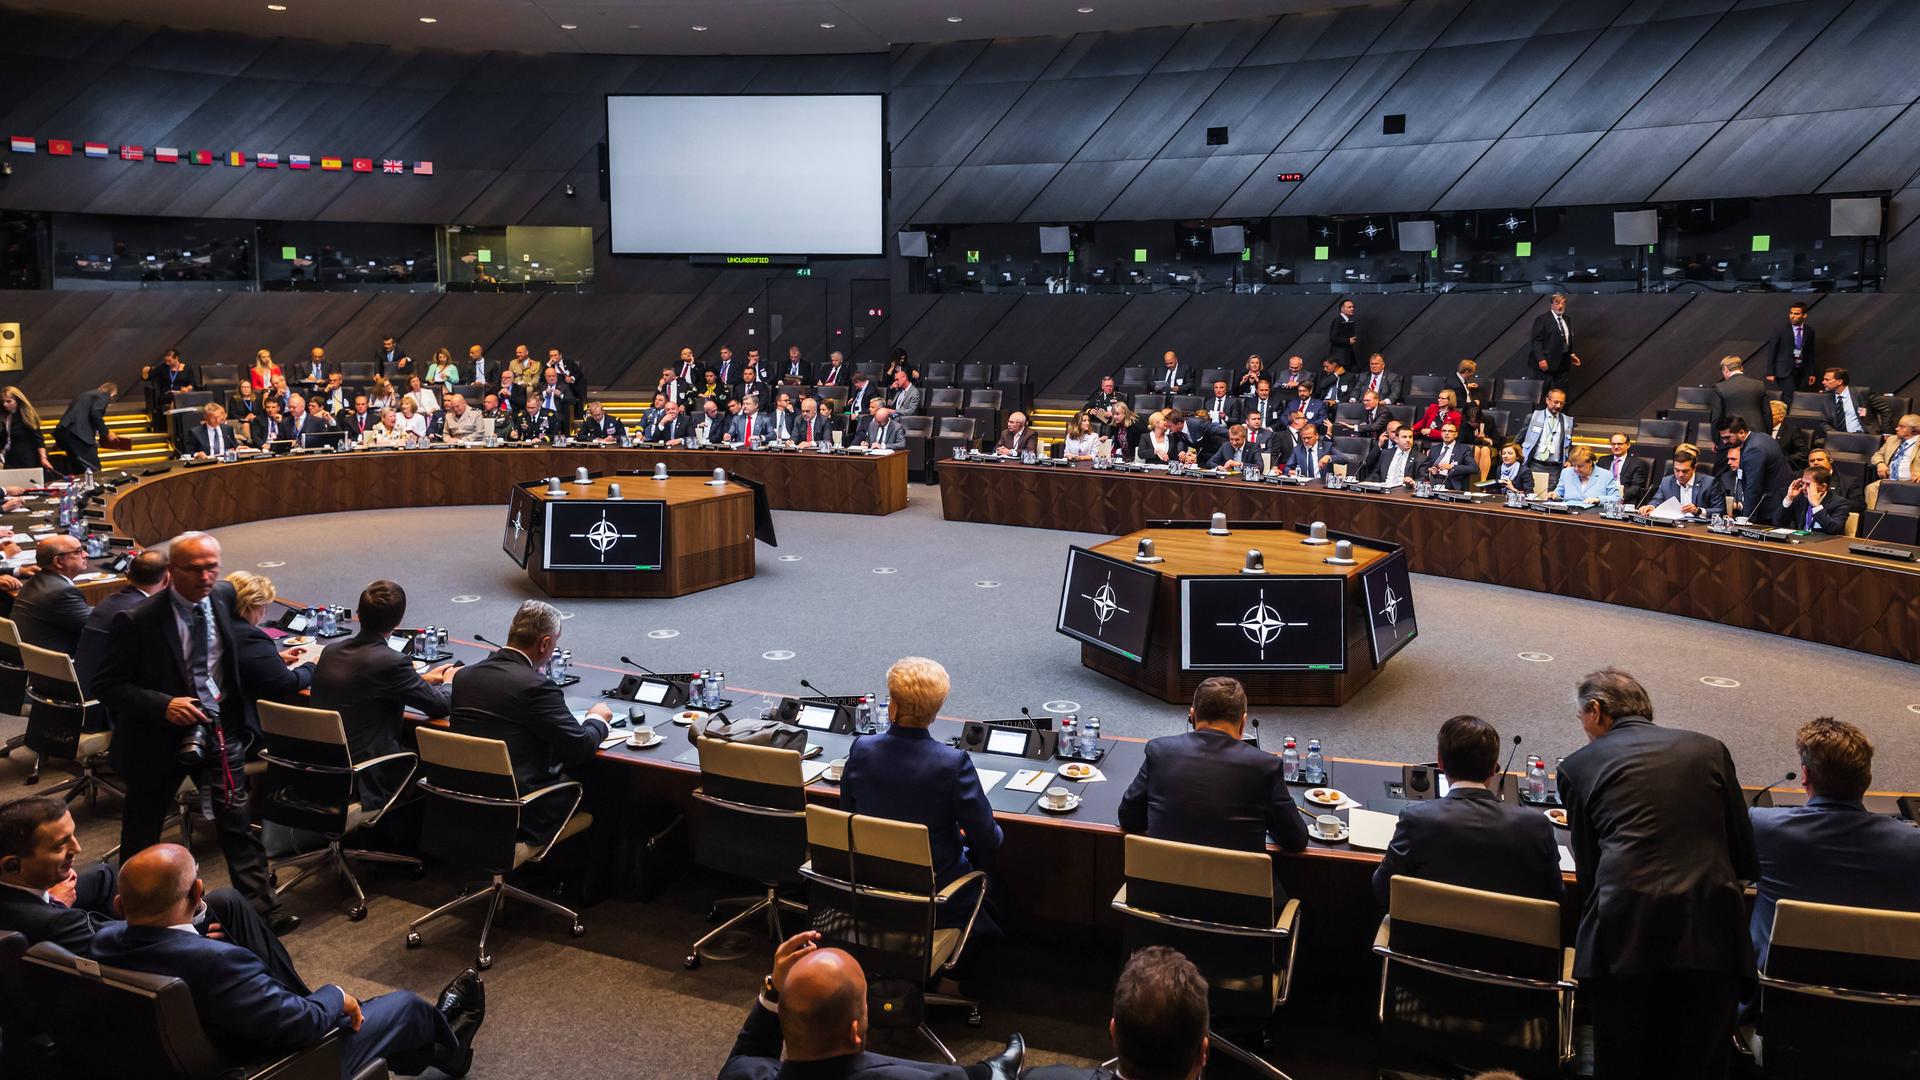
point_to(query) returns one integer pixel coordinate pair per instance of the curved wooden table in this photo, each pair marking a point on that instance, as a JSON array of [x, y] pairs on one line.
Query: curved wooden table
[[211, 496], [1815, 591]]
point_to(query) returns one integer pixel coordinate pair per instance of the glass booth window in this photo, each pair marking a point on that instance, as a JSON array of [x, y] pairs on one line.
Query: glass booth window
[[113, 252], [321, 256], [519, 258]]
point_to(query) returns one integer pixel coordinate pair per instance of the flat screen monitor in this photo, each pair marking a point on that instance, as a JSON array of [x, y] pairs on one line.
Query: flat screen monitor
[[1389, 596], [1107, 603], [1007, 741], [605, 535], [817, 717], [746, 174], [1263, 622], [652, 691], [523, 515]]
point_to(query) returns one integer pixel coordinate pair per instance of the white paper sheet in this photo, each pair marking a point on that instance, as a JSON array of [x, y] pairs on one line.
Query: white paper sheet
[[1669, 509], [1566, 860], [1034, 780], [989, 777], [1371, 829]]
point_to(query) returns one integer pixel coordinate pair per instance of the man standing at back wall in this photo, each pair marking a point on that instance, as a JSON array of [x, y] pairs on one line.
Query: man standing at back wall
[[82, 427]]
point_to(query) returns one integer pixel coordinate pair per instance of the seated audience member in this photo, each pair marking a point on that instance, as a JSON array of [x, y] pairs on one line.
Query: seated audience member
[[280, 392], [361, 419], [1222, 406], [252, 1017], [411, 421], [1811, 505], [1511, 475], [834, 371], [1312, 458], [1251, 375], [1270, 407], [883, 431], [711, 427], [383, 396], [671, 387], [752, 387], [338, 399], [1728, 479], [387, 432], [1851, 408], [1439, 414], [512, 395], [50, 611], [425, 398], [1630, 474], [810, 1021], [751, 424], [267, 673], [863, 392], [905, 774], [1018, 438], [1450, 463], [1262, 440], [458, 422], [245, 403], [1384, 384], [1795, 442], [675, 427], [1471, 838], [598, 425], [1159, 1025], [524, 368], [146, 575], [1698, 495], [813, 428], [905, 396], [1847, 489], [1582, 482], [1160, 446], [784, 419], [501, 415], [505, 697], [1082, 440], [1100, 404], [1314, 410], [392, 358], [1207, 786], [712, 388], [1370, 424], [49, 900], [794, 371], [533, 423], [1295, 374], [1236, 453], [212, 436], [261, 374], [1832, 850], [1898, 458], [314, 428], [1400, 465], [371, 685], [557, 400], [268, 425]]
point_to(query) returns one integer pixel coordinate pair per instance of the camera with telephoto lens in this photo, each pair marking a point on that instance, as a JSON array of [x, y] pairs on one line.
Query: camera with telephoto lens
[[196, 746]]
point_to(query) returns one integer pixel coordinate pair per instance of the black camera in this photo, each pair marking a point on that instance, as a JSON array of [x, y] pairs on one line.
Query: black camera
[[196, 746]]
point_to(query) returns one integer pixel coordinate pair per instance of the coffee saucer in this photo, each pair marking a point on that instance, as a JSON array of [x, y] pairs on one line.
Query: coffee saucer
[[1072, 804]]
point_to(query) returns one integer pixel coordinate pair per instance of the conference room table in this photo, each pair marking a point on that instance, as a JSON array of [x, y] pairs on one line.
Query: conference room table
[[209, 495], [1814, 589]]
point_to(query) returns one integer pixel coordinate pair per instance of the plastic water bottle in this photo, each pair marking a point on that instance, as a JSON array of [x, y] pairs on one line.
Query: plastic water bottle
[[1090, 739], [1316, 766], [1069, 737], [714, 682], [697, 690], [1536, 779], [863, 715], [313, 620], [882, 720], [1290, 761]]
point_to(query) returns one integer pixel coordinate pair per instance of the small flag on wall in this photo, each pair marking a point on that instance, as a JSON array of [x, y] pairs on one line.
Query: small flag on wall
[[23, 145], [132, 153], [202, 157], [267, 161], [94, 149], [329, 164], [299, 161], [392, 166], [60, 147], [167, 154], [423, 168], [236, 159], [362, 164]]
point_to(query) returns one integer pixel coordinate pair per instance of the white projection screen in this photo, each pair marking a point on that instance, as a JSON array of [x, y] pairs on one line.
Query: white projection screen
[[746, 174]]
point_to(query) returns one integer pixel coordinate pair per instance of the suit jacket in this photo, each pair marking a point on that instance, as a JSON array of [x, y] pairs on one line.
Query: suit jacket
[[1304, 460], [1343, 338], [557, 399], [1864, 401], [248, 1015], [1461, 468], [1763, 478], [1537, 424], [304, 371], [86, 417], [831, 376], [71, 928], [817, 430], [758, 389], [356, 424], [371, 686], [1171, 382], [528, 427], [1384, 462], [144, 667], [390, 359], [1549, 344], [1472, 839], [1707, 494], [1780, 360], [1247, 454], [1016, 443], [1230, 411], [1661, 843], [857, 398], [503, 697], [1272, 411], [1632, 476], [1829, 517], [908, 775], [95, 634], [908, 399], [257, 433], [607, 427], [199, 441], [789, 368], [1336, 388], [1369, 425], [1204, 436], [1287, 379], [762, 427], [1831, 851], [1392, 387], [893, 436], [50, 612], [756, 1056], [1459, 386], [1889, 447], [1206, 787], [727, 371], [263, 675], [1743, 396]]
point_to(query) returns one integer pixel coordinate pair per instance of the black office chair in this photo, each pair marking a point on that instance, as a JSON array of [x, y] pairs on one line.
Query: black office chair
[[1354, 449], [1692, 405], [832, 399], [1147, 404], [1663, 433], [954, 431], [754, 826], [973, 375], [472, 820], [1209, 376], [1520, 395], [312, 783], [13, 682], [1186, 403], [1475, 979], [108, 1021], [219, 377], [1133, 380], [937, 376], [1839, 992], [870, 368], [871, 891], [1423, 390], [1217, 907], [1011, 381], [1403, 413], [1348, 411], [25, 1050], [919, 440], [57, 716], [945, 401], [983, 408]]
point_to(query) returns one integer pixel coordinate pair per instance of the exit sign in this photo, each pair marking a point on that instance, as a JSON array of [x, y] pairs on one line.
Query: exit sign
[[1291, 177]]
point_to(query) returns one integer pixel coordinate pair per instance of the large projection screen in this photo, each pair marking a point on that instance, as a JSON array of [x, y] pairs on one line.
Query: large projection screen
[[746, 174]]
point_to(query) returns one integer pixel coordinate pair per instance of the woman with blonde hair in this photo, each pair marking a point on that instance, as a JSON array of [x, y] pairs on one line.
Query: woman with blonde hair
[[263, 370], [383, 396], [266, 671], [411, 420], [26, 448]]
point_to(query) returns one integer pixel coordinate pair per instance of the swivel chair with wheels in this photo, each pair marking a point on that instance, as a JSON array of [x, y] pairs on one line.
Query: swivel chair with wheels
[[57, 721], [754, 826]]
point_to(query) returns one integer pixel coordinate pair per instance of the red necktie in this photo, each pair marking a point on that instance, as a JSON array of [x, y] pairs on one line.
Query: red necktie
[[1375, 385]]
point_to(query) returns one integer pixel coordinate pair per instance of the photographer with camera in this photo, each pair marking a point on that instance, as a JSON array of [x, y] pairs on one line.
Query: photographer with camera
[[171, 680]]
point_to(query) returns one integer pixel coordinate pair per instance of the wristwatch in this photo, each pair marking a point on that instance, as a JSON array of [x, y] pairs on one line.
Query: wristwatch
[[769, 991]]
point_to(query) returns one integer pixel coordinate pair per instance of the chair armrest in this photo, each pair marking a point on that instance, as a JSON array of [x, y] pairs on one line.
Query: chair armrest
[[979, 901], [1838, 993], [321, 1061], [277, 761], [1289, 916], [1383, 937], [528, 799], [383, 759], [554, 789], [957, 884], [1490, 978], [413, 765]]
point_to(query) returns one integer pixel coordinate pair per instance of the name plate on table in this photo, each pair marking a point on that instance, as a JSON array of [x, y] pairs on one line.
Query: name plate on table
[[1462, 496], [1663, 522], [1777, 536], [1553, 508]]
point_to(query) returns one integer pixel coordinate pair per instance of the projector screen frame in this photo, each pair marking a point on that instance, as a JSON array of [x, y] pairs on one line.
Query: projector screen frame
[[885, 168]]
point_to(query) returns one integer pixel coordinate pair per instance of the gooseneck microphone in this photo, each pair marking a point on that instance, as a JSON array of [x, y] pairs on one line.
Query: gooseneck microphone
[[1758, 795], [482, 640], [817, 692], [630, 662], [1502, 792]]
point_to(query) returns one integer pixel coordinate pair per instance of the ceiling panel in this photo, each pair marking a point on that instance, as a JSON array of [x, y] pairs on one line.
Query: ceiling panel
[[1181, 187], [1221, 44], [1864, 57], [1156, 108], [961, 118], [1887, 163], [1517, 172], [1487, 21], [1383, 179], [1258, 106], [1610, 76], [1261, 193], [1470, 92], [1625, 166], [1081, 190], [1122, 52], [1322, 35], [1722, 72], [1052, 120], [1744, 157], [1348, 102], [985, 193]]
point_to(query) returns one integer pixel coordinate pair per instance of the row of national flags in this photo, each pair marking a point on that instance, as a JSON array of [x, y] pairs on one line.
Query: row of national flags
[[23, 144]]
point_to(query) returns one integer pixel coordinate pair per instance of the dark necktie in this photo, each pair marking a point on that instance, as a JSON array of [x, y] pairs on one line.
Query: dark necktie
[[214, 439], [197, 661]]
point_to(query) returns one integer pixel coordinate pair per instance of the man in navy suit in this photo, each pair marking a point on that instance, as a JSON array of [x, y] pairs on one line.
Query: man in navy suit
[[248, 1014], [1792, 355], [906, 774], [1313, 408], [49, 611], [1832, 851], [1310, 457], [1470, 838], [1762, 476], [1236, 451], [1208, 787], [1699, 496], [1451, 463], [146, 575]]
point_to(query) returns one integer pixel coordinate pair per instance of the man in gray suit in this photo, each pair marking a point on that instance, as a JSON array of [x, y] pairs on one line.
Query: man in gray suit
[[82, 427], [906, 396], [1738, 394], [883, 430], [49, 611], [371, 685]]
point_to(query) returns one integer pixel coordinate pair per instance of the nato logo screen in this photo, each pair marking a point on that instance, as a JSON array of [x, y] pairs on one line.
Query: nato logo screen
[[605, 535], [1261, 622], [1389, 595], [1107, 603]]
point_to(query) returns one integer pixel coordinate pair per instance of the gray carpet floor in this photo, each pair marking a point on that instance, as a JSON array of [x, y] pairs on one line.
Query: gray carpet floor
[[617, 1003]]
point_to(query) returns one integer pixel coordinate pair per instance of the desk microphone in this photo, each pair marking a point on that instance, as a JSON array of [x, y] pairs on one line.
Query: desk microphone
[[484, 641], [816, 690], [1755, 801], [1504, 773], [629, 661]]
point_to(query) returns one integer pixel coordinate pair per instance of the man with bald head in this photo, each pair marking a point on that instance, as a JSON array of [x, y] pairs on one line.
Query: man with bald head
[[171, 680], [249, 1015], [814, 1005], [49, 612]]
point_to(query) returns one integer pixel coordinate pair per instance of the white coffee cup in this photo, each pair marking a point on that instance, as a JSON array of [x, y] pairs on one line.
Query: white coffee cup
[[836, 767], [1058, 796], [640, 736], [1328, 826]]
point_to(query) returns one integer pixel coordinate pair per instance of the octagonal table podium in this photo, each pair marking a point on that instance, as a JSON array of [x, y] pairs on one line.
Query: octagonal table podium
[[658, 538]]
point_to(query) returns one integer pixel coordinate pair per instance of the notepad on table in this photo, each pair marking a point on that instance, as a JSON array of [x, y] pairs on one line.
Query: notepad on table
[[1370, 829], [1029, 780], [1566, 860], [988, 778]]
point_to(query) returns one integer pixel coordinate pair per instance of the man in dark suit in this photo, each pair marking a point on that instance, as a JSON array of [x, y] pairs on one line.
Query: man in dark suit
[[810, 1020], [1335, 384], [1018, 438], [1851, 408], [726, 369], [1272, 407], [1398, 463], [905, 774], [1370, 424], [812, 426], [1465, 383], [1550, 348], [316, 427], [1196, 433], [1738, 394], [43, 897], [555, 400], [270, 425], [753, 387], [1237, 451], [146, 575], [1796, 442], [1206, 786], [1221, 406], [506, 697], [1159, 1025], [168, 377], [1832, 851], [835, 372], [1762, 472], [793, 370], [359, 420], [1661, 843], [82, 427], [315, 369], [1845, 487], [50, 612], [1791, 355], [672, 387], [250, 1016], [863, 389], [1630, 472], [371, 685], [1343, 337], [1811, 505], [1172, 378], [1388, 386], [212, 436], [751, 423], [1471, 838], [393, 359], [172, 667], [1450, 464], [1260, 439], [1313, 457], [1699, 496]]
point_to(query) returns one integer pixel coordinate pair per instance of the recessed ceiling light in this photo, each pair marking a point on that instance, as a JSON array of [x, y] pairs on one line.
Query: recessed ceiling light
[[1084, 10], [826, 26], [428, 19], [699, 28], [633, 26], [569, 26], [276, 7], [953, 18]]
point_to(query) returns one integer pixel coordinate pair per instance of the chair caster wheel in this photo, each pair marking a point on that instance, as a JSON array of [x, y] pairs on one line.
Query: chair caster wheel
[[973, 1018], [355, 914], [692, 962], [413, 939], [273, 879], [483, 961], [31, 780], [578, 930]]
